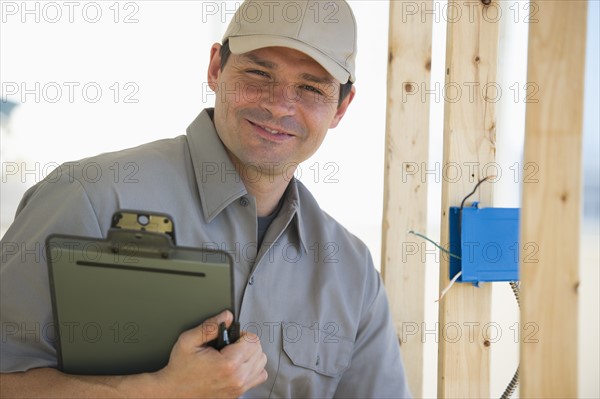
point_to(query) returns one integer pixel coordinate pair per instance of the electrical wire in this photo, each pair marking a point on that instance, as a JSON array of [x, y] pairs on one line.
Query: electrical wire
[[449, 285], [512, 385], [434, 243], [462, 204], [445, 290]]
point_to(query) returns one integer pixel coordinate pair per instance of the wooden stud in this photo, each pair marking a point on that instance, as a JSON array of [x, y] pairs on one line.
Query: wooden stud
[[550, 221], [405, 192], [469, 145]]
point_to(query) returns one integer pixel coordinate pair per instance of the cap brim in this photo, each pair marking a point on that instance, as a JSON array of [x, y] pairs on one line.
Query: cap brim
[[244, 44]]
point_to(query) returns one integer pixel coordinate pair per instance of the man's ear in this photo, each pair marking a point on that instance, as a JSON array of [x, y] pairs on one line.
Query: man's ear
[[341, 110], [214, 66]]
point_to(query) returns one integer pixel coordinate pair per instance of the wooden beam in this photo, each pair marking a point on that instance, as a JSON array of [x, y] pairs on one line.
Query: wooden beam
[[552, 200], [469, 145], [405, 192]]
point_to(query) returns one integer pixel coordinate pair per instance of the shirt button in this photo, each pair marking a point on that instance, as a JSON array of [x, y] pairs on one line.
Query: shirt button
[[244, 201], [251, 281]]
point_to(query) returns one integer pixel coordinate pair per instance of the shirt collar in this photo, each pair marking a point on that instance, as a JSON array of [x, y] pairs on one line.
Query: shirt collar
[[294, 211], [218, 182]]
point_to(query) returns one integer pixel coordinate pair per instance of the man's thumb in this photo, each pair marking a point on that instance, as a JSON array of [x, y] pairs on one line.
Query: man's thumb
[[208, 330]]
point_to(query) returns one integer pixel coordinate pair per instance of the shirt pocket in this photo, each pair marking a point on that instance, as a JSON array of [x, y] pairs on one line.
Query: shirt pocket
[[314, 359]]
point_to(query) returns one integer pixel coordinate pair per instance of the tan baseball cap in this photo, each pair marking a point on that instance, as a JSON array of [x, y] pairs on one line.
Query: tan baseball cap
[[323, 29]]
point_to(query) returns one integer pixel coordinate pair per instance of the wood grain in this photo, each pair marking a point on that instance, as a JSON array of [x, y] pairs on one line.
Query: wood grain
[[469, 143], [550, 221], [405, 191]]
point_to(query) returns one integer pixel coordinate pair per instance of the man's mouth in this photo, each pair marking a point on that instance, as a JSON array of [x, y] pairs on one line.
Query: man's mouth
[[271, 131], [274, 132]]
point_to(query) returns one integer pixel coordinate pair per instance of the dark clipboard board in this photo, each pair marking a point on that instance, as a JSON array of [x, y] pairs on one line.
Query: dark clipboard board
[[120, 303]]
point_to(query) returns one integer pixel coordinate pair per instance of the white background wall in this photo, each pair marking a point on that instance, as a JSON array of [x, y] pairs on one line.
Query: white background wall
[[157, 53]]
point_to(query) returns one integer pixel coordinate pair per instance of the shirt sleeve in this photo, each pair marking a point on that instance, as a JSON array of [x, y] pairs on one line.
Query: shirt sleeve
[[28, 335], [376, 369]]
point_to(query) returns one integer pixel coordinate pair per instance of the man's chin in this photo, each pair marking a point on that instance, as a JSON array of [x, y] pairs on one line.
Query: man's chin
[[271, 168]]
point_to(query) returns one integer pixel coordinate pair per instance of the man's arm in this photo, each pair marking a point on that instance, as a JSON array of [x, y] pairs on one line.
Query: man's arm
[[194, 370], [376, 369]]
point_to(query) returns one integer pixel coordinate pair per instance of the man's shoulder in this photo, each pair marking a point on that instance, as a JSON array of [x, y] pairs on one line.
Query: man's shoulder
[[141, 164], [160, 153], [149, 160], [125, 176]]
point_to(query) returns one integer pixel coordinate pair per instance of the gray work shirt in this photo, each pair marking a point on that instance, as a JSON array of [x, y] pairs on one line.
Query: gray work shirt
[[310, 292]]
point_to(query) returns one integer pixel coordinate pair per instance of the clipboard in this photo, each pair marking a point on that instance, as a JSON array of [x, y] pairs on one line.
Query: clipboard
[[120, 303]]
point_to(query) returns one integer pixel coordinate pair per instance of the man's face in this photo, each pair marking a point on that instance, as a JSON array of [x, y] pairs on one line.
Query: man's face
[[273, 107]]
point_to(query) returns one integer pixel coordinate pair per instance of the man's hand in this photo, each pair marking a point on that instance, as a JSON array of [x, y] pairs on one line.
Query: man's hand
[[197, 370], [194, 370]]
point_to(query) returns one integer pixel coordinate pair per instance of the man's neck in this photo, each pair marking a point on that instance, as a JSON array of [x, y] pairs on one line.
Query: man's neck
[[267, 188]]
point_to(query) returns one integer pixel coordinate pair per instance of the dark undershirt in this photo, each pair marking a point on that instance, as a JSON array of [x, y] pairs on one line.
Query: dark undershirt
[[265, 221]]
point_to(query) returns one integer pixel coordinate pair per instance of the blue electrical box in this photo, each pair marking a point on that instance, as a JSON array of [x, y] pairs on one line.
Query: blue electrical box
[[487, 242]]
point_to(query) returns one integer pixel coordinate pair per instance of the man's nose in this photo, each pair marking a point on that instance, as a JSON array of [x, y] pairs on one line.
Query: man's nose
[[281, 100]]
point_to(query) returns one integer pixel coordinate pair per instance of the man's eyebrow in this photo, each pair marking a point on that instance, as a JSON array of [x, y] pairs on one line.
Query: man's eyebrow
[[271, 65], [317, 79], [258, 61]]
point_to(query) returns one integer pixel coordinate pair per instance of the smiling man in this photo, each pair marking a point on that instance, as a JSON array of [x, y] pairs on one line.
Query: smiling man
[[306, 291]]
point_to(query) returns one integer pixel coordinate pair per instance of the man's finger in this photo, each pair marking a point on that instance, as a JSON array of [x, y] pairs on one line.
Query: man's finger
[[205, 332]]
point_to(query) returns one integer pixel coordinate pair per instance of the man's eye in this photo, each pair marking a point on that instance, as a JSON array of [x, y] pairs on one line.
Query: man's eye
[[258, 72], [311, 89]]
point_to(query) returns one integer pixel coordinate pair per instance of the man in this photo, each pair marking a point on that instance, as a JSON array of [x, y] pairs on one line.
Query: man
[[303, 284]]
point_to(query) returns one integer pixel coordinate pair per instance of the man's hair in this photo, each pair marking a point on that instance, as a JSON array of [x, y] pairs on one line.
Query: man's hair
[[225, 52]]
